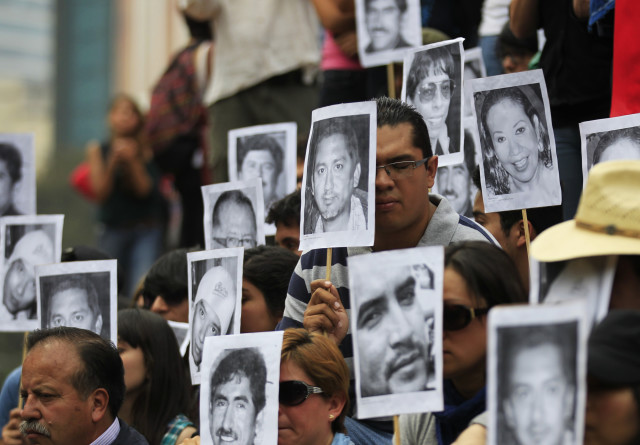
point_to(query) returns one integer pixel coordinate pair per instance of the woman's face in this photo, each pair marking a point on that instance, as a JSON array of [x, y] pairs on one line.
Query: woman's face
[[123, 118], [515, 139], [432, 99], [135, 371], [612, 416], [255, 316], [463, 351], [307, 423]]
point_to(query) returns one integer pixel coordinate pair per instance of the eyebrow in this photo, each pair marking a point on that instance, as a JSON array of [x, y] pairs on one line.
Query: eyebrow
[[376, 303], [518, 123], [477, 213], [408, 283], [399, 158]]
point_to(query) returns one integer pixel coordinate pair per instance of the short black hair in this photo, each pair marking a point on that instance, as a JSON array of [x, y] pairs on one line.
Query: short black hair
[[401, 4], [259, 142], [393, 112], [285, 211], [631, 134], [235, 196], [269, 268], [102, 366], [10, 154], [198, 29], [245, 362], [168, 278], [541, 218]]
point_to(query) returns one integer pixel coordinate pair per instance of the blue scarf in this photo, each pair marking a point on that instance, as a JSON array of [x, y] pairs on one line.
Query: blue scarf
[[457, 413]]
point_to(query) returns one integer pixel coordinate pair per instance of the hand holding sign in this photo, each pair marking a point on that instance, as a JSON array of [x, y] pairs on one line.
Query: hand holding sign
[[325, 311]]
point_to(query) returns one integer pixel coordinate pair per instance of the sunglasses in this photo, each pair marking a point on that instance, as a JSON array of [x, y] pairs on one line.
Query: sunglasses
[[427, 92], [294, 392], [457, 316]]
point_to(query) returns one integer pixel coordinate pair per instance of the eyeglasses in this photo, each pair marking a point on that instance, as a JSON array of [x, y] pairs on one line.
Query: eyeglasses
[[401, 169], [294, 392], [231, 241], [427, 92], [456, 316]]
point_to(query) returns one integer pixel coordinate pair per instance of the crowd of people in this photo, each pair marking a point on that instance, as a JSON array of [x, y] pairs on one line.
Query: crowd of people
[[76, 387]]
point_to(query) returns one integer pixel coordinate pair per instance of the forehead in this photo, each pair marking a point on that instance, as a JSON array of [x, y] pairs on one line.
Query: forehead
[[332, 146], [623, 145], [51, 363], [381, 4], [74, 296], [259, 154], [505, 108], [382, 282], [394, 142], [545, 357], [238, 385], [435, 74]]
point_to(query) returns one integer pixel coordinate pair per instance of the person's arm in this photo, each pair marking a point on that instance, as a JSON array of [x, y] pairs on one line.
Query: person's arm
[[134, 159], [524, 18], [100, 172], [335, 15], [476, 434], [581, 8]]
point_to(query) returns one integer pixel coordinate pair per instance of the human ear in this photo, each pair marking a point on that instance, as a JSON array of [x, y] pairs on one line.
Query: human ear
[[99, 404], [336, 405], [99, 324], [521, 235], [356, 175], [538, 130], [432, 169]]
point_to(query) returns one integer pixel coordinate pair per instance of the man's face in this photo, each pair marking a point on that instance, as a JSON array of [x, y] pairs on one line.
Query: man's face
[[70, 307], [383, 23], [404, 203], [50, 400], [19, 287], [237, 227], [6, 188], [540, 397], [392, 337], [232, 414], [491, 222], [453, 184], [334, 176], [260, 164], [205, 323], [288, 237], [621, 149]]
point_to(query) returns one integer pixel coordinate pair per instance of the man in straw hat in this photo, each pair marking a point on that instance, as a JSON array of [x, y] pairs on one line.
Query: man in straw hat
[[607, 223]]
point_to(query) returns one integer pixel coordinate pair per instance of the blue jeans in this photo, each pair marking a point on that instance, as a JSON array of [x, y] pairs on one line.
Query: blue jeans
[[570, 164], [491, 60], [135, 248]]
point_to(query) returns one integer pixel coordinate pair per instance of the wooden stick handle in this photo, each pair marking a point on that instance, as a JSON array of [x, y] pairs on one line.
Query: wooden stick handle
[[527, 236], [391, 81], [328, 272], [396, 430]]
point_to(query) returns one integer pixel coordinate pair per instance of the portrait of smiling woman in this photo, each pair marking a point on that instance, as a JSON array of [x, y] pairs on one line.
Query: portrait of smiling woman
[[516, 149]]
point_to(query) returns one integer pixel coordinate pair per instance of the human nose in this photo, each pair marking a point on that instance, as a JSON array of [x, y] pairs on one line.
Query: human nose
[[383, 178], [29, 409], [401, 330], [159, 306], [227, 418], [328, 184], [536, 410]]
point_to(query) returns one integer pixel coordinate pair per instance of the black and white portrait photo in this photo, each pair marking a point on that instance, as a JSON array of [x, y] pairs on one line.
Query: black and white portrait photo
[[454, 182], [338, 196], [233, 214], [26, 241], [17, 174], [386, 29], [215, 293], [519, 162], [79, 294], [433, 85], [537, 367], [267, 152], [616, 138], [239, 395], [474, 68], [396, 313], [589, 279]]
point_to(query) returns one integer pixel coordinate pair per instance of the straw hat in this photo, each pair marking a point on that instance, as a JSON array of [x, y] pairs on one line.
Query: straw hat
[[607, 221]]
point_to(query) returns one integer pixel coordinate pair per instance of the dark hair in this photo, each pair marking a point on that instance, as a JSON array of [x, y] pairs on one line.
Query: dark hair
[[508, 44], [122, 97], [245, 362], [269, 268], [81, 282], [231, 196], [495, 175], [168, 278], [632, 134], [469, 153], [165, 392], [285, 211], [322, 361], [432, 61], [487, 270], [401, 4], [198, 29], [259, 142], [87, 253], [393, 112], [541, 218], [11, 156], [102, 366]]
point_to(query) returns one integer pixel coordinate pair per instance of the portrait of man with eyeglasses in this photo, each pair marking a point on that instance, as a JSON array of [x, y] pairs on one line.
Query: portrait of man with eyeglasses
[[337, 168], [433, 86]]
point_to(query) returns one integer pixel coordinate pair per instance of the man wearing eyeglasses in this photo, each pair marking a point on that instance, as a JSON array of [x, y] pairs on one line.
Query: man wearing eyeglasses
[[260, 156], [383, 19], [213, 309], [406, 216], [335, 175], [233, 221], [237, 397]]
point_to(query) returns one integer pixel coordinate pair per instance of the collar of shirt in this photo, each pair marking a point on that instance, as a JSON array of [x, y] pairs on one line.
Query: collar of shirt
[[109, 435]]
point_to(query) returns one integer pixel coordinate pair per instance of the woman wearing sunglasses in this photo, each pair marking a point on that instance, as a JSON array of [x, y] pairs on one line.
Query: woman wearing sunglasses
[[477, 277], [314, 383]]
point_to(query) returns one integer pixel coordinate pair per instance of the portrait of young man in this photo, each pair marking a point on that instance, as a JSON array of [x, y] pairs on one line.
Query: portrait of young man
[[537, 375]]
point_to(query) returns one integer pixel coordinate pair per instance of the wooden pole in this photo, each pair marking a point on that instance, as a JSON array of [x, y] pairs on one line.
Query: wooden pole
[[527, 236], [24, 355], [391, 81], [396, 430], [328, 272]]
